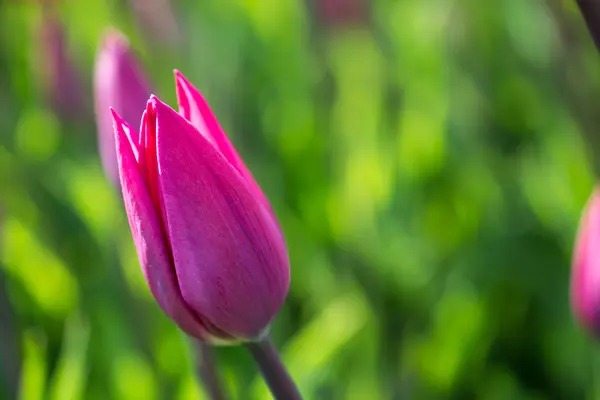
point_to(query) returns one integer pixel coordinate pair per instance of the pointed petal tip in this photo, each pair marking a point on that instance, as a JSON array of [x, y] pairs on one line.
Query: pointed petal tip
[[181, 81], [113, 38], [151, 103], [179, 76], [187, 94], [155, 103], [123, 130], [120, 126], [115, 116]]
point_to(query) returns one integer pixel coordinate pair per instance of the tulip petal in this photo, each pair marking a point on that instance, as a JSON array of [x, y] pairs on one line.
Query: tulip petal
[[585, 285], [194, 108], [147, 233], [148, 162], [231, 266]]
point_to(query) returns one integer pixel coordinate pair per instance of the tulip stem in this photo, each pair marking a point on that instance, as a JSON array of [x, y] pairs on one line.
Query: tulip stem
[[10, 359], [273, 370], [205, 366], [590, 10]]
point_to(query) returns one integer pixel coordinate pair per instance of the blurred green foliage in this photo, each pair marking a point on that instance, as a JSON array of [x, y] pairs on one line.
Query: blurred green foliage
[[428, 165]]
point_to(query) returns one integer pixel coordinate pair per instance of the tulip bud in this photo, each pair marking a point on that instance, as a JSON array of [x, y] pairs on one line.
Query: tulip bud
[[209, 245], [60, 75], [585, 273], [120, 83]]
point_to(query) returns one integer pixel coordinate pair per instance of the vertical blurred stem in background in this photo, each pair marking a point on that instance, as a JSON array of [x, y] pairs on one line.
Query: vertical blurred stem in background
[[273, 370], [205, 367], [10, 359], [581, 96], [590, 9], [594, 390]]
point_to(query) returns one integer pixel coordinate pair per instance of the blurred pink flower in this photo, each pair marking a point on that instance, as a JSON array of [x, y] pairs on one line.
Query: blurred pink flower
[[208, 242], [120, 83], [157, 20], [335, 13], [585, 273], [60, 75]]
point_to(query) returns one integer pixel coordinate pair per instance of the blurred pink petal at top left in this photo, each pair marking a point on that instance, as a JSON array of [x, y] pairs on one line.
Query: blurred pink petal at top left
[[120, 83], [60, 76]]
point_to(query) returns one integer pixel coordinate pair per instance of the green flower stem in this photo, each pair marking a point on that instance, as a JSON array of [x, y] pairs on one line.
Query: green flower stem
[[10, 357], [205, 367], [274, 372]]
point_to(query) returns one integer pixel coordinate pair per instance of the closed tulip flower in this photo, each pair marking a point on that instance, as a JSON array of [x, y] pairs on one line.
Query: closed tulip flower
[[208, 242], [120, 83], [585, 282]]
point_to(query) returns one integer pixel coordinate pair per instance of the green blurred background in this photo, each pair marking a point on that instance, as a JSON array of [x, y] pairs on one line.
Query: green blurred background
[[428, 161]]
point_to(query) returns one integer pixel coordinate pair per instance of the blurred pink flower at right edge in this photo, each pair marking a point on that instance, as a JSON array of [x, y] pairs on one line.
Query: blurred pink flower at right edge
[[120, 84], [208, 242], [585, 272]]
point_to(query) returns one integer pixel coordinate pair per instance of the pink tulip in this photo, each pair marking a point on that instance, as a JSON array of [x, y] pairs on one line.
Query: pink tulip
[[120, 83], [208, 242], [585, 279]]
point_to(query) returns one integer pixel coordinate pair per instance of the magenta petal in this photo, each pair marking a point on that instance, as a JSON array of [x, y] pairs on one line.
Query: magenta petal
[[147, 234], [585, 283], [194, 108], [231, 265]]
